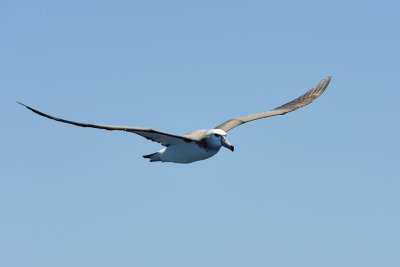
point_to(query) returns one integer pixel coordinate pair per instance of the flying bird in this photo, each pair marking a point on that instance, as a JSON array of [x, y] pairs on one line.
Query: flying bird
[[199, 144]]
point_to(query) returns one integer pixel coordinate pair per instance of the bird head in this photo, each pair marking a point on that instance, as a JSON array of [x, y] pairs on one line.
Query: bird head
[[217, 138]]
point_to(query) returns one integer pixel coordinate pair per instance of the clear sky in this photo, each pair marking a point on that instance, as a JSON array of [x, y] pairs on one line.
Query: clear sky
[[316, 187]]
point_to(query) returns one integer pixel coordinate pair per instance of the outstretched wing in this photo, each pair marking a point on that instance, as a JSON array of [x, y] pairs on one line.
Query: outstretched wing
[[299, 102], [163, 138]]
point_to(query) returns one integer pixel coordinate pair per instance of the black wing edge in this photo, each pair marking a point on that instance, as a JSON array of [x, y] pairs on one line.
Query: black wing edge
[[108, 127]]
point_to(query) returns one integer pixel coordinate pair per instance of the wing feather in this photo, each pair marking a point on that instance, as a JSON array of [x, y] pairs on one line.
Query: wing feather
[[299, 102], [163, 138]]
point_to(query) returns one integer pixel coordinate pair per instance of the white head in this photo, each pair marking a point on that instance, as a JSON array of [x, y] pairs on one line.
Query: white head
[[217, 138]]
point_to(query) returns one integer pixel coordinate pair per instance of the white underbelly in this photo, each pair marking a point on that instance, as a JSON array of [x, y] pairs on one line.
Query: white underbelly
[[186, 153]]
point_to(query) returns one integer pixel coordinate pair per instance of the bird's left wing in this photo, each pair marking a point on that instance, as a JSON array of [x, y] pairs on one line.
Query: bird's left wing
[[163, 138], [299, 102]]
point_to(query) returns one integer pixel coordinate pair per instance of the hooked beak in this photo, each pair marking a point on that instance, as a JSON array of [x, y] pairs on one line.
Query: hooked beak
[[226, 144]]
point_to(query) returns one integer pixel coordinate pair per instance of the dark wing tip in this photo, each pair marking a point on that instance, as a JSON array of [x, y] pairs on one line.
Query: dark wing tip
[[33, 110], [22, 104], [28, 107], [323, 84], [328, 78]]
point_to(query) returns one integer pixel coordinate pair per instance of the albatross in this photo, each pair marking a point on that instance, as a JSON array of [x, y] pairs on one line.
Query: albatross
[[199, 144]]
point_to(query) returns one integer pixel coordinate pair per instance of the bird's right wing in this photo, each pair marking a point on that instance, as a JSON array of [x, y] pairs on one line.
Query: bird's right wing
[[163, 138], [299, 102]]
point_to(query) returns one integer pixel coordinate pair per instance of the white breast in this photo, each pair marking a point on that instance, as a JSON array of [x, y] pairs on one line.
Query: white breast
[[185, 153]]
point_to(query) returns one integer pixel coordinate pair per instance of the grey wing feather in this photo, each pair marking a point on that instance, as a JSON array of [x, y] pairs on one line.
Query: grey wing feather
[[196, 135], [299, 102], [163, 138]]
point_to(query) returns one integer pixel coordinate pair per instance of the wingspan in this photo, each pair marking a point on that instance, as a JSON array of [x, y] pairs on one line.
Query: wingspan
[[163, 138], [299, 102]]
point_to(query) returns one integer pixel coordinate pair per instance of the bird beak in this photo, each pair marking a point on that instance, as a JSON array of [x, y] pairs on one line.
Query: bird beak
[[226, 144]]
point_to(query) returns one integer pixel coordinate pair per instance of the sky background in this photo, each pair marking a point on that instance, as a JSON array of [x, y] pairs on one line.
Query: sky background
[[317, 187]]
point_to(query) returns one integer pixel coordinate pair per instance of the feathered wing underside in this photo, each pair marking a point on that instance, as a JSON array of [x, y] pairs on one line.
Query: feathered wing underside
[[163, 138], [299, 102]]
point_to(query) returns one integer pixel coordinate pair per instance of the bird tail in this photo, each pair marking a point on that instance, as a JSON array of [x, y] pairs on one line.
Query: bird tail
[[153, 157]]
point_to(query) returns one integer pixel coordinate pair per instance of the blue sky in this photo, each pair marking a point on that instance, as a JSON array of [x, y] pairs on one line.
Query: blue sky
[[317, 187]]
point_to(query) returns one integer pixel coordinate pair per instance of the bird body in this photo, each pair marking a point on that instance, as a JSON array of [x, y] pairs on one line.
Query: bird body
[[182, 153], [199, 144], [205, 144]]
